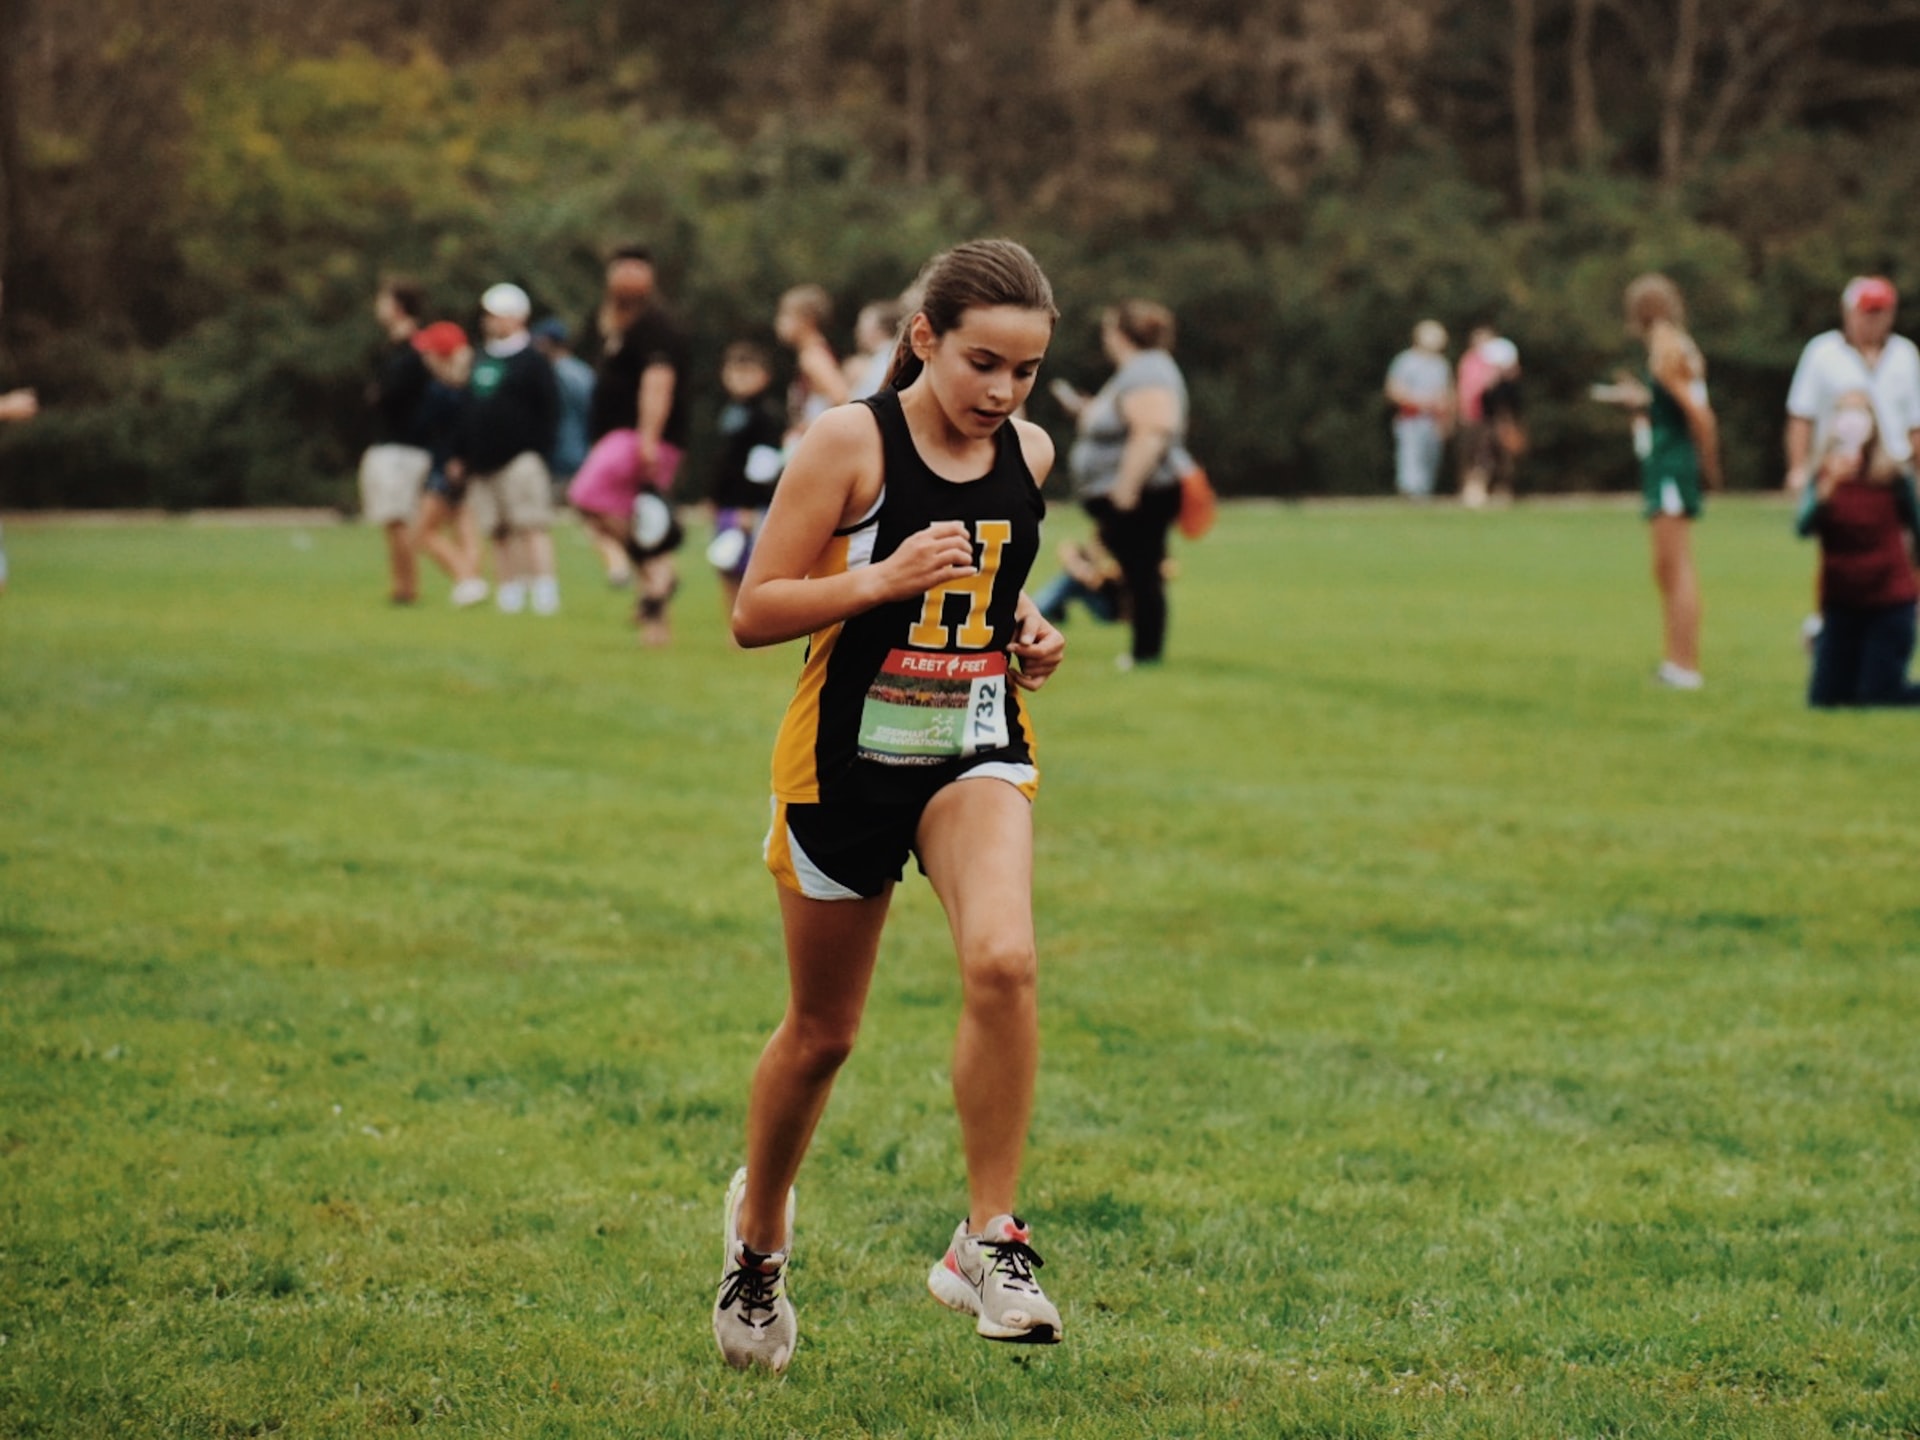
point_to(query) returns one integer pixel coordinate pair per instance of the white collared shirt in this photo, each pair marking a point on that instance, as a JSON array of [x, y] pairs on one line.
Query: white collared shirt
[[1829, 368]]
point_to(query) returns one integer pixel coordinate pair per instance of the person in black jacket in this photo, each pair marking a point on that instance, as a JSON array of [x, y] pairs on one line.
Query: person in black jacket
[[395, 466], [500, 449], [752, 455]]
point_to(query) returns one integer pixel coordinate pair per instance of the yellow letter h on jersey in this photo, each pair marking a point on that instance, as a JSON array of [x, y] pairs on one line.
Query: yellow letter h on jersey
[[930, 632]]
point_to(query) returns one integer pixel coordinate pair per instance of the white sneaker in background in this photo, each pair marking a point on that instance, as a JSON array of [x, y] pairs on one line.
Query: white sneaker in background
[[469, 593], [511, 597], [990, 1276], [1678, 677], [546, 596]]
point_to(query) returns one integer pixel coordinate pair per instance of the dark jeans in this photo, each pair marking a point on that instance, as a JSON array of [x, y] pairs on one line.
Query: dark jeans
[[1137, 540], [1861, 657], [1056, 597]]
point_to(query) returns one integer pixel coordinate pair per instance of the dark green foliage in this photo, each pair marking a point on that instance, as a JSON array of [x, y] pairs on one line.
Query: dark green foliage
[[205, 200]]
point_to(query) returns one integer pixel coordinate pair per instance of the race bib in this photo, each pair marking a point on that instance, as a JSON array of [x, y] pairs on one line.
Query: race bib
[[924, 708]]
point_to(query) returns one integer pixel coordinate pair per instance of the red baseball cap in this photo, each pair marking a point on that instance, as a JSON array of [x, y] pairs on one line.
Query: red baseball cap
[[1870, 293], [443, 337]]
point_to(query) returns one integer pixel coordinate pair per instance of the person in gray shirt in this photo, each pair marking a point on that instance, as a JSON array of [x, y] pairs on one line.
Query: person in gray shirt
[[1128, 458], [1420, 389]]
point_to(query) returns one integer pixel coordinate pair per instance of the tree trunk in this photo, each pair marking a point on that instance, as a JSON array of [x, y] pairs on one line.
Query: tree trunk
[[919, 124], [13, 29], [1526, 110], [1587, 139], [1673, 100]]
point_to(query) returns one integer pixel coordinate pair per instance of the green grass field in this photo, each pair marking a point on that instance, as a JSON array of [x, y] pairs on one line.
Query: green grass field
[[1447, 1031]]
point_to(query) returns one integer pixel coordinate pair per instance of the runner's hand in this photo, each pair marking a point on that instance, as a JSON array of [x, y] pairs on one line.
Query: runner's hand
[[1037, 645], [938, 555]]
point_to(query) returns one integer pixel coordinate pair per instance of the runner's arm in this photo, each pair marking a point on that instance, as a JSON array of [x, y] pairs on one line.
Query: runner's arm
[[836, 470]]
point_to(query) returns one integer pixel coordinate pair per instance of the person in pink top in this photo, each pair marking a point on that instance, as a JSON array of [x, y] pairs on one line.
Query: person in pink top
[[1487, 383]]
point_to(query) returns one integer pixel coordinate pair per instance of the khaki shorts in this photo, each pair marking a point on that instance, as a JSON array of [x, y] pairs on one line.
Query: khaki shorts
[[390, 480], [519, 497]]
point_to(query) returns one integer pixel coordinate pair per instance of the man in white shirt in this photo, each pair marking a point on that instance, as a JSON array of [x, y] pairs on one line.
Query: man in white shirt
[[1863, 354]]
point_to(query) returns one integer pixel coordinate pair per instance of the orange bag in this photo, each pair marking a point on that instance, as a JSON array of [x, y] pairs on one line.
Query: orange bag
[[1198, 504]]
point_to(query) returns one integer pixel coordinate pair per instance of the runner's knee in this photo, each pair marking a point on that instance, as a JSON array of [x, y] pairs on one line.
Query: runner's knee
[[820, 1047], [997, 969]]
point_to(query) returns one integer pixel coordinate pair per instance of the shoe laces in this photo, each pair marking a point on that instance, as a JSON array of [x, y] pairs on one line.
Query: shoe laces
[[752, 1286], [1015, 1260]]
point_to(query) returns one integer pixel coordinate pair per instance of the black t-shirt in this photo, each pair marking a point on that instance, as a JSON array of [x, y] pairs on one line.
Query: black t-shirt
[[651, 340], [399, 386], [513, 407], [745, 426]]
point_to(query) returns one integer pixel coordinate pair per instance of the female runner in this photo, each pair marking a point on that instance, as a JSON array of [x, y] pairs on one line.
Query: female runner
[[899, 541]]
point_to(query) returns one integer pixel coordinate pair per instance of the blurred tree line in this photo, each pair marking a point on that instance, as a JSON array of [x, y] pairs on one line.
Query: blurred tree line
[[197, 197]]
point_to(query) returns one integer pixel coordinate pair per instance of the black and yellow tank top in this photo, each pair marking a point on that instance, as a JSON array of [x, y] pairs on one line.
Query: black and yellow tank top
[[898, 700]]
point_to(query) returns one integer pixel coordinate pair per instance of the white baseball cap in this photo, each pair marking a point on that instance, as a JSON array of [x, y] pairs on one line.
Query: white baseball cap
[[507, 301]]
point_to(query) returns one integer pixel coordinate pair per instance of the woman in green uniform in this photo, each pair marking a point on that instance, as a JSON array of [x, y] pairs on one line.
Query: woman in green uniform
[[1678, 442]]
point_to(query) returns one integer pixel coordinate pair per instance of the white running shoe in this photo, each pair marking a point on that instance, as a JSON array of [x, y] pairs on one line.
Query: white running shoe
[[1678, 677], [546, 596], [468, 593], [511, 596], [752, 1318], [990, 1276]]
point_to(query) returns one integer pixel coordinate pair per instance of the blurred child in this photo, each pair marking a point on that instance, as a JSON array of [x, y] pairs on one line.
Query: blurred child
[[819, 384], [1087, 574], [749, 464], [1863, 510], [441, 526]]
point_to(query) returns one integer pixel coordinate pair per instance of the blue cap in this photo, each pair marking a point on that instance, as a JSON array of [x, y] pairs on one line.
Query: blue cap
[[552, 328]]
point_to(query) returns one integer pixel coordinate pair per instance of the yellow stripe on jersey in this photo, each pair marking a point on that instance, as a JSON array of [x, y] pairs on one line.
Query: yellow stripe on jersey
[[796, 776], [779, 849], [1031, 790]]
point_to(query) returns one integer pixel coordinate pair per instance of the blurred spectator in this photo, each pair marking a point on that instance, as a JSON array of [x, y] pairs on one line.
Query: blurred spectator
[[818, 383], [1420, 388], [443, 526], [576, 380], [875, 333], [395, 467], [1087, 574], [21, 404], [1129, 457], [639, 432], [1492, 435], [1677, 438], [500, 449], [1862, 355], [1862, 508], [749, 465]]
